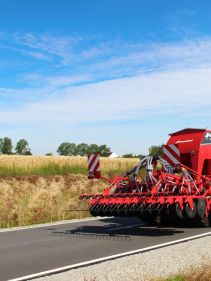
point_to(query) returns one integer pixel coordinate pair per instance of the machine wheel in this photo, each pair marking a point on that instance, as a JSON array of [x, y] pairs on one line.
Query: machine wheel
[[201, 218], [102, 210], [201, 208], [93, 211], [179, 211], [146, 217], [190, 213], [205, 222], [157, 219]]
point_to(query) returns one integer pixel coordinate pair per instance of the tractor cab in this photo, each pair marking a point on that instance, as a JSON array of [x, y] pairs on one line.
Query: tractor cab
[[195, 149]]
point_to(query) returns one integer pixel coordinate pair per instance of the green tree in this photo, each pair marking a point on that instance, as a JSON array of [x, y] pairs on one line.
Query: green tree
[[82, 149], [128, 155], [71, 149], [6, 145], [67, 149], [93, 148], [22, 147], [63, 149], [104, 150], [156, 150]]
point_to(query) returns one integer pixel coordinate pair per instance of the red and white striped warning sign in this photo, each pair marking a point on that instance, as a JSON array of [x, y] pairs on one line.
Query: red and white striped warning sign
[[171, 154], [94, 163]]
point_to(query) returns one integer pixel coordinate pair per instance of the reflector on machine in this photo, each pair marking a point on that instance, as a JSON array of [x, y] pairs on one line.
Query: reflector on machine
[[94, 165], [171, 154]]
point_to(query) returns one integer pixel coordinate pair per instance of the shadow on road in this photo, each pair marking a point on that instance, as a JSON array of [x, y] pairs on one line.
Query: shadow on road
[[117, 230]]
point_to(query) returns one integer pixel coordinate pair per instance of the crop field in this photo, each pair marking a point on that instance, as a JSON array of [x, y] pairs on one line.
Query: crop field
[[36, 189], [12, 165]]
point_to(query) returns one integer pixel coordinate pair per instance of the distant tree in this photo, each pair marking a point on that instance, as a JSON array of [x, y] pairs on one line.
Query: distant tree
[[156, 150], [22, 147], [131, 155], [63, 149], [72, 149], [140, 156], [67, 149], [6, 145], [1, 145], [104, 150], [93, 148], [49, 154], [128, 155], [82, 149]]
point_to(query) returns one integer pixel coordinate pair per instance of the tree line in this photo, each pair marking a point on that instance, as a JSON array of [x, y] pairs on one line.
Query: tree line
[[21, 148], [65, 148], [71, 149], [82, 149]]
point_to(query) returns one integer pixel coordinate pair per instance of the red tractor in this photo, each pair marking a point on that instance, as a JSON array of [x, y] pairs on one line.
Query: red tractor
[[174, 187]]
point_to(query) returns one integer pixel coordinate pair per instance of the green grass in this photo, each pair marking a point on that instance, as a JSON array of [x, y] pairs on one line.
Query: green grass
[[45, 170], [178, 277], [53, 169]]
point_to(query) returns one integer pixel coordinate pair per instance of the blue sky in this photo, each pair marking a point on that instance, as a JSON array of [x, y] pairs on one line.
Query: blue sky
[[121, 72]]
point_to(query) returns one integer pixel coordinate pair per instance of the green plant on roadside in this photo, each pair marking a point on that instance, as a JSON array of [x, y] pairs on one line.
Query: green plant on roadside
[[179, 277]]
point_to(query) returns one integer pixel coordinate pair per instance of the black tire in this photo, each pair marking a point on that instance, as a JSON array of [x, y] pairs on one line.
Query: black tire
[[146, 217], [179, 212], [201, 218], [190, 213], [157, 220], [205, 222], [201, 208]]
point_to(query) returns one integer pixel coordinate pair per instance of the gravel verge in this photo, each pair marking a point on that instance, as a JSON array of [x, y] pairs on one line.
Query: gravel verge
[[145, 266]]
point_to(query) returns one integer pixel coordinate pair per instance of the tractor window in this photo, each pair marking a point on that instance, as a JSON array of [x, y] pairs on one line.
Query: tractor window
[[186, 159], [207, 167]]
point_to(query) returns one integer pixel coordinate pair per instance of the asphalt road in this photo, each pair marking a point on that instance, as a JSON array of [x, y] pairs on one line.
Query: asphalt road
[[30, 251]]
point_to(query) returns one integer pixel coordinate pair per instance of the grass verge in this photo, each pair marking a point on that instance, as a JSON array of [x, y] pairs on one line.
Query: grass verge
[[202, 273], [27, 200]]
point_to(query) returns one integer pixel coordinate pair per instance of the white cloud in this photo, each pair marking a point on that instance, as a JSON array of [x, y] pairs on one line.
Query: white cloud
[[108, 59], [169, 94], [59, 46], [169, 84]]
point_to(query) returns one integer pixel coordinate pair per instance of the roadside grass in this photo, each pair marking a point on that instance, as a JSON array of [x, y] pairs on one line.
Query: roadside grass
[[202, 273], [27, 200], [178, 277], [39, 189]]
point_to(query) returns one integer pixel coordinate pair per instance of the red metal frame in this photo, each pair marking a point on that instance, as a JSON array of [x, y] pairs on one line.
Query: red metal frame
[[161, 189]]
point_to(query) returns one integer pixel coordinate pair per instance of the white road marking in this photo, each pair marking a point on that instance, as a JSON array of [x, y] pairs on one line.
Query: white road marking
[[95, 261]]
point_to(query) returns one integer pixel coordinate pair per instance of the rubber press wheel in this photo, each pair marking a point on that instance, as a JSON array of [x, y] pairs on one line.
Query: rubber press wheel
[[190, 213], [179, 211], [201, 218], [201, 208]]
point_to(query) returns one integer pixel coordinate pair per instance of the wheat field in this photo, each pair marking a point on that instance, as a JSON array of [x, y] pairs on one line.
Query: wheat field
[[39, 189], [14, 165]]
